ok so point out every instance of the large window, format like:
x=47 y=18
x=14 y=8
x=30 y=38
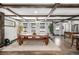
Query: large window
x=25 y=26
x=42 y=25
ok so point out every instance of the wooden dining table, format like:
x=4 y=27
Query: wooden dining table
x=22 y=38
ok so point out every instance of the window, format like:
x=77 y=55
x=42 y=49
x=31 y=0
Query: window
x=42 y=25
x=33 y=25
x=25 y=25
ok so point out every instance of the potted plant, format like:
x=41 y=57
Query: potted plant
x=51 y=28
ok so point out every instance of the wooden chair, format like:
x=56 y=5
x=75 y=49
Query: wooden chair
x=74 y=37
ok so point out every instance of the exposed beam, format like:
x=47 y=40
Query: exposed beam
x=62 y=20
x=73 y=17
x=70 y=18
x=48 y=19
x=41 y=15
x=15 y=19
x=62 y=5
x=52 y=10
x=27 y=5
x=14 y=13
x=39 y=5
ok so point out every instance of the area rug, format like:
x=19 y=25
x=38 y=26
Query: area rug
x=32 y=45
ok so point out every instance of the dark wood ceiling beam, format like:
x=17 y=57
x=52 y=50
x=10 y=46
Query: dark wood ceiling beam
x=41 y=15
x=15 y=19
x=61 y=19
x=70 y=18
x=52 y=10
x=73 y=17
x=48 y=19
x=68 y=5
x=39 y=5
x=14 y=13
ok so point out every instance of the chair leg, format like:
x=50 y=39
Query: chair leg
x=72 y=42
x=64 y=36
x=77 y=44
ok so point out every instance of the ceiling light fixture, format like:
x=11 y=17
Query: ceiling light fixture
x=35 y=12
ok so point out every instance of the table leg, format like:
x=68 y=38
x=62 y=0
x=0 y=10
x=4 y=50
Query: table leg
x=77 y=44
x=20 y=42
x=64 y=36
x=46 y=41
x=72 y=41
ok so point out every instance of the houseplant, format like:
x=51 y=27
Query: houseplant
x=51 y=28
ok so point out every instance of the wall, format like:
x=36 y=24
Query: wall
x=63 y=26
x=68 y=25
x=11 y=32
x=75 y=22
x=37 y=28
x=57 y=28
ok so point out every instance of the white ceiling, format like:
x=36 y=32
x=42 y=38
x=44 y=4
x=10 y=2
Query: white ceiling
x=6 y=11
x=31 y=11
x=42 y=11
x=66 y=11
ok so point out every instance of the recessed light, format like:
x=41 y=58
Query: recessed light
x=35 y=12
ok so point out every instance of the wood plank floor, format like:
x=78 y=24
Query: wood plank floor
x=65 y=46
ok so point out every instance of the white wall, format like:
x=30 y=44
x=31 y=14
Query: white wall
x=11 y=32
x=63 y=26
x=68 y=25
x=57 y=28
x=75 y=28
x=75 y=22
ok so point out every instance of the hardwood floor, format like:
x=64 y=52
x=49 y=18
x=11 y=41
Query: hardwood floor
x=65 y=46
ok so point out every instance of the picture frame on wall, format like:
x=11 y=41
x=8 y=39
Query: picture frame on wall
x=10 y=23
